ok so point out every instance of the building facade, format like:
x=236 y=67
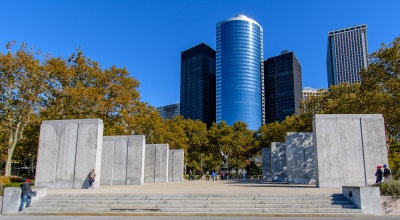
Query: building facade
x=308 y=92
x=347 y=54
x=240 y=72
x=169 y=111
x=198 y=84
x=283 y=86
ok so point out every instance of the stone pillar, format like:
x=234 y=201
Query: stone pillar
x=348 y=149
x=123 y=160
x=300 y=158
x=175 y=165
x=156 y=163
x=278 y=162
x=266 y=164
x=74 y=147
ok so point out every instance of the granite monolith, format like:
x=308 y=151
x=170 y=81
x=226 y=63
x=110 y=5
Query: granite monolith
x=175 y=165
x=348 y=148
x=278 y=162
x=300 y=158
x=156 y=163
x=74 y=147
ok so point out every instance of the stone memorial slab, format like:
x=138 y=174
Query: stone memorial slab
x=266 y=164
x=75 y=148
x=300 y=159
x=348 y=149
x=278 y=162
x=156 y=163
x=136 y=157
x=123 y=160
x=107 y=159
x=175 y=165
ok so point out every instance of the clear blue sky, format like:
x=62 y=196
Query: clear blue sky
x=147 y=37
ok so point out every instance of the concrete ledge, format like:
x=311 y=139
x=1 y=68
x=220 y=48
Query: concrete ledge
x=11 y=199
x=366 y=198
x=41 y=192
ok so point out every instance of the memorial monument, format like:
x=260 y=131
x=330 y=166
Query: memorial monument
x=349 y=147
x=68 y=150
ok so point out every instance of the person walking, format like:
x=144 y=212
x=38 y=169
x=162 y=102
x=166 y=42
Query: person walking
x=222 y=175
x=244 y=175
x=190 y=175
x=387 y=173
x=207 y=176
x=378 y=174
x=26 y=194
x=213 y=175
x=91 y=178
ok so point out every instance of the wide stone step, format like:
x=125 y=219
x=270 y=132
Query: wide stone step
x=188 y=205
x=206 y=210
x=186 y=195
x=191 y=198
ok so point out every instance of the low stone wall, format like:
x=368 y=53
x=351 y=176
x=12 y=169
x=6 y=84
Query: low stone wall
x=11 y=199
x=365 y=198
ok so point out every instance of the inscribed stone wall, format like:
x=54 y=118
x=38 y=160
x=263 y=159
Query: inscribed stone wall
x=175 y=165
x=278 y=162
x=74 y=147
x=123 y=160
x=156 y=163
x=266 y=164
x=348 y=149
x=300 y=158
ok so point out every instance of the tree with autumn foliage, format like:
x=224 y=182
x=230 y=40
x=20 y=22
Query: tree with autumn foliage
x=24 y=88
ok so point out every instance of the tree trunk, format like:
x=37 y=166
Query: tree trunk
x=10 y=152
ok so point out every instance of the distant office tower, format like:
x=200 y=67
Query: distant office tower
x=347 y=54
x=283 y=86
x=198 y=84
x=168 y=111
x=308 y=92
x=240 y=72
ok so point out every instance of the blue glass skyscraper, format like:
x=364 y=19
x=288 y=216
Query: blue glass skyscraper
x=240 y=72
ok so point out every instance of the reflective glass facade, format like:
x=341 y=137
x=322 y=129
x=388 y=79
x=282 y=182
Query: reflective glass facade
x=168 y=111
x=198 y=84
x=283 y=86
x=240 y=72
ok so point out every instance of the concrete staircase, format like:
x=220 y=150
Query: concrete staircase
x=196 y=204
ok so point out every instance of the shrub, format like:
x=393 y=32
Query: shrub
x=4 y=180
x=390 y=188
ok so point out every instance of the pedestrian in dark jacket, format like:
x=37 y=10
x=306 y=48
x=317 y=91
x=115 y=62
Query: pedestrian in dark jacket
x=387 y=173
x=378 y=174
x=26 y=194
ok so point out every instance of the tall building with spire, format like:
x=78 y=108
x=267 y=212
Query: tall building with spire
x=347 y=54
x=240 y=72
